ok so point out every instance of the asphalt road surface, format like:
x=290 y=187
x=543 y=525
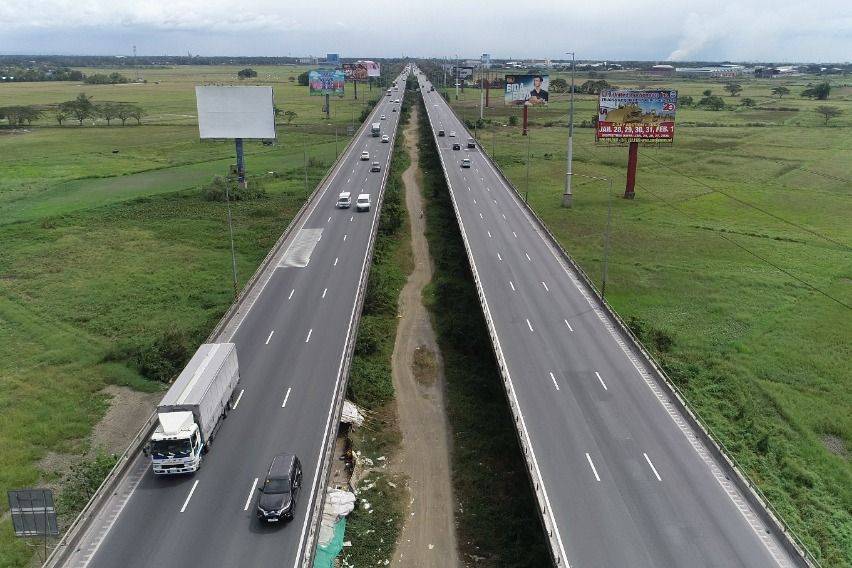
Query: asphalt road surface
x=290 y=346
x=628 y=483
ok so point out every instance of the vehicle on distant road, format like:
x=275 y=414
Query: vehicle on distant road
x=344 y=200
x=191 y=410
x=456 y=146
x=471 y=143
x=280 y=489
x=375 y=167
x=385 y=138
x=363 y=202
x=376 y=129
x=452 y=133
x=383 y=117
x=365 y=155
x=441 y=132
x=465 y=163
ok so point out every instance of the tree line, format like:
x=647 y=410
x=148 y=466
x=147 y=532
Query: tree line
x=79 y=109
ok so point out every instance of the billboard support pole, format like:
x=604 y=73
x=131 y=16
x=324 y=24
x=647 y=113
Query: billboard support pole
x=568 y=197
x=356 y=88
x=487 y=93
x=526 y=112
x=327 y=106
x=481 y=96
x=632 y=158
x=241 y=162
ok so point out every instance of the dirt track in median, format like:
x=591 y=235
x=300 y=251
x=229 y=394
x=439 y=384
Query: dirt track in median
x=428 y=537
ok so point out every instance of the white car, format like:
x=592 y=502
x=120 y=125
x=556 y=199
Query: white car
x=363 y=202
x=397 y=100
x=452 y=133
x=465 y=163
x=383 y=117
x=344 y=200
x=365 y=155
x=385 y=138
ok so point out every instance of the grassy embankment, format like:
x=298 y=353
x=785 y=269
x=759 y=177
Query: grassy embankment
x=497 y=518
x=373 y=532
x=734 y=264
x=108 y=256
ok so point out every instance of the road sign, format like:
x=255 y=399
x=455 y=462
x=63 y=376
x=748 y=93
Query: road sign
x=33 y=512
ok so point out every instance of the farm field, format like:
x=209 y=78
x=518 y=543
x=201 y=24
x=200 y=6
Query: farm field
x=113 y=265
x=733 y=264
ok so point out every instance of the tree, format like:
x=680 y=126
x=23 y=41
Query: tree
x=734 y=89
x=828 y=112
x=303 y=79
x=29 y=114
x=63 y=111
x=685 y=100
x=558 y=85
x=513 y=120
x=246 y=73
x=289 y=115
x=123 y=111
x=780 y=91
x=707 y=92
x=137 y=112
x=712 y=102
x=82 y=107
x=818 y=92
x=107 y=111
x=747 y=102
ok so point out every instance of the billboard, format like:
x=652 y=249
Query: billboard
x=361 y=70
x=235 y=112
x=527 y=89
x=626 y=115
x=373 y=68
x=332 y=58
x=326 y=82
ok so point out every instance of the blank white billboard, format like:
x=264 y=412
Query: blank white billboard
x=235 y=112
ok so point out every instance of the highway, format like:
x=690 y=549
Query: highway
x=625 y=480
x=291 y=345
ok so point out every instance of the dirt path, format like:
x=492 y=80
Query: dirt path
x=428 y=537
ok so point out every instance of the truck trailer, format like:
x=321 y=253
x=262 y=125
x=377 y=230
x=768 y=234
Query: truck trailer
x=190 y=413
x=376 y=128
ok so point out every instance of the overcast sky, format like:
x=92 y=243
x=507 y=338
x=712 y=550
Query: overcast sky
x=741 y=30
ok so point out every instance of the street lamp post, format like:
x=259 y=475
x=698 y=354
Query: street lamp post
x=567 y=197
x=527 y=192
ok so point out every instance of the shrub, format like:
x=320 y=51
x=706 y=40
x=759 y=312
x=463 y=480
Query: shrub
x=83 y=481
x=216 y=190
x=165 y=357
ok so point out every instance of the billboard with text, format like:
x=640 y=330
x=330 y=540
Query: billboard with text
x=628 y=115
x=527 y=89
x=361 y=70
x=326 y=82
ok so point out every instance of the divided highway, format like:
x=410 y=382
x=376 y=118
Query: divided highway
x=625 y=481
x=291 y=345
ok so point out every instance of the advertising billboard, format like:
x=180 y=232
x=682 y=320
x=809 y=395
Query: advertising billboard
x=626 y=115
x=235 y=112
x=354 y=72
x=373 y=68
x=332 y=58
x=326 y=82
x=527 y=89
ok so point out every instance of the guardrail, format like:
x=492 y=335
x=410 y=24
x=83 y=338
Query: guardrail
x=791 y=541
x=83 y=520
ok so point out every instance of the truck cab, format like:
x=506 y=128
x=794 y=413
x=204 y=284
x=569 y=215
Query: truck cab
x=176 y=445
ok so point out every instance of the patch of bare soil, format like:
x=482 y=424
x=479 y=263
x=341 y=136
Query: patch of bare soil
x=428 y=538
x=835 y=445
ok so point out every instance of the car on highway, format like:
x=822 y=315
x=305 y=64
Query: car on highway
x=385 y=138
x=280 y=489
x=383 y=117
x=452 y=133
x=471 y=143
x=375 y=167
x=465 y=163
x=441 y=132
x=365 y=155
x=456 y=146
x=397 y=101
x=344 y=200
x=393 y=109
x=363 y=202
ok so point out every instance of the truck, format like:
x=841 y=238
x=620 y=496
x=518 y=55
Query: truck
x=191 y=412
x=376 y=129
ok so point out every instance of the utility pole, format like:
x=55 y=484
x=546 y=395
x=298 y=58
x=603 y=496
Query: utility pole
x=457 y=76
x=567 y=197
x=527 y=193
x=481 y=95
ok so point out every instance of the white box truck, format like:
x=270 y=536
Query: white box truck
x=376 y=128
x=190 y=413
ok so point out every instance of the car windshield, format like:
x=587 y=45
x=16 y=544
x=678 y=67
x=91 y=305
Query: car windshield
x=277 y=485
x=170 y=448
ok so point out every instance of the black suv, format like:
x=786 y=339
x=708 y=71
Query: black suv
x=456 y=147
x=280 y=489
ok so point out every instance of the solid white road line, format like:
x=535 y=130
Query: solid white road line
x=251 y=492
x=335 y=260
x=512 y=285
x=569 y=325
x=546 y=289
x=188 y=497
x=552 y=378
x=270 y=337
x=603 y=384
x=529 y=325
x=240 y=396
x=308 y=338
x=291 y=293
x=286 y=397
x=592 y=465
x=654 y=469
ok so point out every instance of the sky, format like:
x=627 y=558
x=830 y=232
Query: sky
x=708 y=30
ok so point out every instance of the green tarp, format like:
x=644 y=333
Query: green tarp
x=326 y=554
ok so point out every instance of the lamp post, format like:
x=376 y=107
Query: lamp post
x=567 y=197
x=605 y=267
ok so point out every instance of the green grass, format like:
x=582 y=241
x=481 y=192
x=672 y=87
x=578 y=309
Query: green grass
x=105 y=254
x=737 y=247
x=500 y=524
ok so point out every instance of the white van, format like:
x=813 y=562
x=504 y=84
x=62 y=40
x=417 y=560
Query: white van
x=363 y=203
x=344 y=200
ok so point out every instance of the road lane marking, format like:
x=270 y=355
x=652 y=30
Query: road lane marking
x=489 y=235
x=308 y=338
x=468 y=188
x=569 y=325
x=654 y=469
x=291 y=293
x=352 y=218
x=529 y=325
x=499 y=258
x=188 y=497
x=329 y=220
x=251 y=492
x=240 y=396
x=512 y=285
x=474 y=201
x=488 y=188
x=503 y=214
x=516 y=234
x=348 y=180
x=552 y=378
x=286 y=397
x=603 y=384
x=592 y=465
x=335 y=260
x=528 y=257
x=480 y=216
x=344 y=238
x=323 y=292
x=546 y=289
x=270 y=337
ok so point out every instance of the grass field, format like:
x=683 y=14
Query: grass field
x=105 y=254
x=734 y=263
